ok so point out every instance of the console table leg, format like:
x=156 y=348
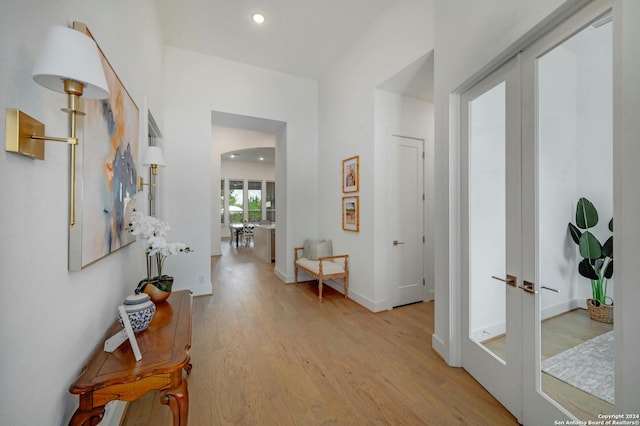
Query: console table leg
x=188 y=366
x=87 y=418
x=178 y=400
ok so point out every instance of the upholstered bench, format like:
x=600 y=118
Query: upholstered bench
x=317 y=259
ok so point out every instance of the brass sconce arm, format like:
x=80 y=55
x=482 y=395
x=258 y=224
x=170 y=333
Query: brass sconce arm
x=154 y=172
x=141 y=183
x=25 y=136
x=70 y=141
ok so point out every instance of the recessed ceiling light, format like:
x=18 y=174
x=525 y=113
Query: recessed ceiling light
x=233 y=155
x=258 y=18
x=261 y=158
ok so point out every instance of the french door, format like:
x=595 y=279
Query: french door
x=531 y=132
x=491 y=224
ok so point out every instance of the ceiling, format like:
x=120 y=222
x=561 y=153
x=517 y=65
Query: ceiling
x=299 y=37
x=251 y=155
x=414 y=81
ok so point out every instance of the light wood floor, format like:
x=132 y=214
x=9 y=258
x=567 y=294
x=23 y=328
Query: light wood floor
x=560 y=333
x=266 y=353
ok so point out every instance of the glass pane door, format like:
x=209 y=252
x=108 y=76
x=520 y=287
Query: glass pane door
x=487 y=228
x=575 y=142
x=567 y=179
x=490 y=153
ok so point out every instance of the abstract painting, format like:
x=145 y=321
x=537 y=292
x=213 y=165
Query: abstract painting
x=109 y=157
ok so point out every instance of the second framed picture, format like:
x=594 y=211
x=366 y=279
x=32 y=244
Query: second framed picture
x=351 y=213
x=351 y=174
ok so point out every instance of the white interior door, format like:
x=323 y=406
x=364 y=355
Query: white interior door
x=567 y=154
x=537 y=135
x=407 y=217
x=491 y=234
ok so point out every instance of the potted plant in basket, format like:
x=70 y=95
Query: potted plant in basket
x=153 y=233
x=597 y=259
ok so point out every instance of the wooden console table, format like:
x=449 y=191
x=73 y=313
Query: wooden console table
x=165 y=353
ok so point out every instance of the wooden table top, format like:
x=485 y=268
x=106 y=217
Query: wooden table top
x=164 y=346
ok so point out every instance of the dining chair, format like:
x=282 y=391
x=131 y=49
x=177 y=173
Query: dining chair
x=247 y=233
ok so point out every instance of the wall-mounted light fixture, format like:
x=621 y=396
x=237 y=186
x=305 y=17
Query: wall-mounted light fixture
x=153 y=158
x=69 y=63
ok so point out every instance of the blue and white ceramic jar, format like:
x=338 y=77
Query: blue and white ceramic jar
x=140 y=310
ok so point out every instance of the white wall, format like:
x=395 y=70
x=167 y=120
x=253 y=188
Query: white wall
x=487 y=213
x=557 y=178
x=239 y=170
x=396 y=39
x=195 y=86
x=232 y=139
x=576 y=157
x=52 y=319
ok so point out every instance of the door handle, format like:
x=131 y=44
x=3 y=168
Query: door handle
x=528 y=287
x=397 y=243
x=510 y=280
x=551 y=289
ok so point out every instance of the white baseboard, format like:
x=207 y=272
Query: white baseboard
x=202 y=290
x=561 y=308
x=282 y=276
x=489 y=331
x=437 y=344
x=431 y=295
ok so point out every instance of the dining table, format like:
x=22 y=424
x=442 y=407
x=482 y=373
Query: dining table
x=237 y=230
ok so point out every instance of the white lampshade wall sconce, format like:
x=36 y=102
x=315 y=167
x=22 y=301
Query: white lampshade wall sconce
x=153 y=158
x=69 y=63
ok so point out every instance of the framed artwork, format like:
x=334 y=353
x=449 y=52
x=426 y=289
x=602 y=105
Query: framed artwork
x=351 y=213
x=351 y=174
x=106 y=171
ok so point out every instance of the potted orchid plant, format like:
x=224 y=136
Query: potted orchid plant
x=153 y=232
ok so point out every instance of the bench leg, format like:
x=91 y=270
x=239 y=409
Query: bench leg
x=320 y=288
x=346 y=286
x=295 y=272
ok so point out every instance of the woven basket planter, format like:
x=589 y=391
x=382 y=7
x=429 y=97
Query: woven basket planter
x=602 y=313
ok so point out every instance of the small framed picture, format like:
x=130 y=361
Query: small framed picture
x=351 y=174
x=351 y=213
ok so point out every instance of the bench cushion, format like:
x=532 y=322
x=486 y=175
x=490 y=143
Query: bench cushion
x=328 y=267
x=313 y=249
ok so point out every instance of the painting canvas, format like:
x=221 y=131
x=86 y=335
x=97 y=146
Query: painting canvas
x=351 y=174
x=351 y=213
x=109 y=156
